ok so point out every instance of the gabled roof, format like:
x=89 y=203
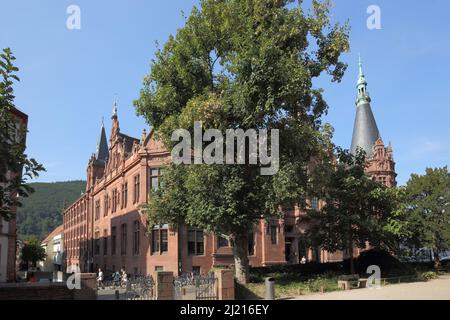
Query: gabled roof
x=129 y=141
x=53 y=234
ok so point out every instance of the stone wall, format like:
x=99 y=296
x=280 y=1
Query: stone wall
x=36 y=291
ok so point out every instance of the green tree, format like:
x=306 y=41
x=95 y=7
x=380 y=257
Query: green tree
x=357 y=210
x=249 y=65
x=33 y=252
x=15 y=167
x=427 y=211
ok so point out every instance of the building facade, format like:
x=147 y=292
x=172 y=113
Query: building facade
x=54 y=250
x=105 y=227
x=8 y=228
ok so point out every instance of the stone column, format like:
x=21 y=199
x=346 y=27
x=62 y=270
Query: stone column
x=88 y=289
x=163 y=285
x=224 y=284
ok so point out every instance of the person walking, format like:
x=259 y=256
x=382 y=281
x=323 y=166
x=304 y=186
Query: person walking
x=124 y=277
x=100 y=279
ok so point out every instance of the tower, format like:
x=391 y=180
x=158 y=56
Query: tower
x=97 y=162
x=380 y=164
x=365 y=130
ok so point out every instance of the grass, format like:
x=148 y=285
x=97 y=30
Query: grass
x=288 y=285
x=292 y=281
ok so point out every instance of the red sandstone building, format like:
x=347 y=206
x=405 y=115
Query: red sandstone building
x=105 y=228
x=8 y=235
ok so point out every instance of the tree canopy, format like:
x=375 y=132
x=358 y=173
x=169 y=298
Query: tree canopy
x=33 y=252
x=357 y=210
x=427 y=211
x=247 y=65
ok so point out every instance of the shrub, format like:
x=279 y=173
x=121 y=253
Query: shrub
x=429 y=275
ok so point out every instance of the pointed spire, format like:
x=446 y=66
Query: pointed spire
x=114 y=113
x=365 y=130
x=363 y=95
x=361 y=74
x=102 y=145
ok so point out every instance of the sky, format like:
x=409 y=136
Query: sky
x=69 y=78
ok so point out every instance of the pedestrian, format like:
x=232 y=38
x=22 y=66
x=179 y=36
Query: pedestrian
x=124 y=277
x=100 y=279
x=303 y=261
x=116 y=279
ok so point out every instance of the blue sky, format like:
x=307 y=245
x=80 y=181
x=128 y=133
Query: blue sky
x=69 y=78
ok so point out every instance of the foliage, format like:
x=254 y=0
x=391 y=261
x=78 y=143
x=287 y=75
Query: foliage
x=41 y=213
x=15 y=166
x=389 y=265
x=427 y=210
x=357 y=210
x=291 y=285
x=32 y=251
x=429 y=275
x=248 y=65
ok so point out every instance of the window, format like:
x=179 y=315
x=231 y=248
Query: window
x=195 y=242
x=159 y=268
x=155 y=173
x=222 y=242
x=314 y=203
x=97 y=243
x=124 y=195
x=288 y=228
x=105 y=243
x=273 y=234
x=113 y=240
x=97 y=209
x=136 y=234
x=251 y=244
x=164 y=240
x=155 y=241
x=105 y=206
x=196 y=270
x=137 y=185
x=115 y=200
x=160 y=241
x=123 y=239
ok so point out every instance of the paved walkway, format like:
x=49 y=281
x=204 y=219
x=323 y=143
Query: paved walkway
x=438 y=289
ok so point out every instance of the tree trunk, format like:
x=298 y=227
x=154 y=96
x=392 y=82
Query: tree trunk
x=352 y=261
x=241 y=264
x=437 y=262
x=350 y=252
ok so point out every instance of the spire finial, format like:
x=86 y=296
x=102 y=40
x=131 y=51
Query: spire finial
x=114 y=114
x=361 y=74
x=103 y=121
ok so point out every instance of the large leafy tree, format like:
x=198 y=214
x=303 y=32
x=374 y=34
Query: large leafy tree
x=357 y=211
x=15 y=167
x=250 y=65
x=427 y=211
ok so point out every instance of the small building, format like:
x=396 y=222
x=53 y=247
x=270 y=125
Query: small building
x=54 y=249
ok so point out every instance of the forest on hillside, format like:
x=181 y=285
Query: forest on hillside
x=42 y=211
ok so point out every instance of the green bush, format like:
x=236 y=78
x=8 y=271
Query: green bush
x=429 y=275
